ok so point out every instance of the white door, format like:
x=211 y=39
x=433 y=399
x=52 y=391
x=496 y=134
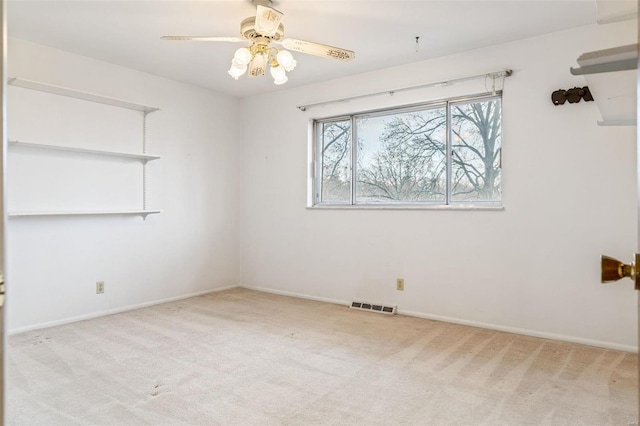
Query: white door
x=612 y=269
x=3 y=213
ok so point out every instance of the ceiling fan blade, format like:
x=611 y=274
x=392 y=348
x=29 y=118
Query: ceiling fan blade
x=203 y=38
x=267 y=21
x=318 y=49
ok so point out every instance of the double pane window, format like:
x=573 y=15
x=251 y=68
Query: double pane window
x=440 y=153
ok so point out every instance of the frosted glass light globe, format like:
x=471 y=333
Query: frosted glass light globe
x=285 y=58
x=242 y=57
x=236 y=71
x=279 y=75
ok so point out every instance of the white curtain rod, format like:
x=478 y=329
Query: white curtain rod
x=492 y=75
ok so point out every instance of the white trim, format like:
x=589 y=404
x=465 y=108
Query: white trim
x=515 y=330
x=114 y=311
x=409 y=206
x=497 y=327
x=298 y=295
x=524 y=331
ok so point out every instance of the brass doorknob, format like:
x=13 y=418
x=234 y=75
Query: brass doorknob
x=612 y=270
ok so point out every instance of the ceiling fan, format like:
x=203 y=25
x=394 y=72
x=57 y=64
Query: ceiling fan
x=262 y=31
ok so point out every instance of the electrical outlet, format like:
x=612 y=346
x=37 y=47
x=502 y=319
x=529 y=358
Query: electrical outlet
x=400 y=284
x=100 y=287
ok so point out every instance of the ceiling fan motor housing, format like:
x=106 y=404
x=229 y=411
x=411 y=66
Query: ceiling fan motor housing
x=248 y=30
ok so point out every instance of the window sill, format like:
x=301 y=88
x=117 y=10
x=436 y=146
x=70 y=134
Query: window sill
x=457 y=206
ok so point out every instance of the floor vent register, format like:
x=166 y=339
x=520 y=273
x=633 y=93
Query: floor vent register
x=383 y=309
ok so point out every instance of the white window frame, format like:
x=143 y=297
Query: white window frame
x=315 y=173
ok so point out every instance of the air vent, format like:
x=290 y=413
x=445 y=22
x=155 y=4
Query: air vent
x=383 y=309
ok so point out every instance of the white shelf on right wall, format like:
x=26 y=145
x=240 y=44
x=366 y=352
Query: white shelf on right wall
x=611 y=74
x=612 y=79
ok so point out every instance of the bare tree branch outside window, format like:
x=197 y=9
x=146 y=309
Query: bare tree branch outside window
x=405 y=160
x=336 y=161
x=475 y=151
x=402 y=155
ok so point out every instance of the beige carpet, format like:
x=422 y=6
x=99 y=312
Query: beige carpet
x=242 y=357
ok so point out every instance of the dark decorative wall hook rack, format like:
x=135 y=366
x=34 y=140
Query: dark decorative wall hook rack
x=559 y=97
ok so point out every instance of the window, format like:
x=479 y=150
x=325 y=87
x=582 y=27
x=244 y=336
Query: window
x=445 y=153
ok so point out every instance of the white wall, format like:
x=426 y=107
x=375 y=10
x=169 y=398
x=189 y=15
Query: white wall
x=192 y=247
x=569 y=194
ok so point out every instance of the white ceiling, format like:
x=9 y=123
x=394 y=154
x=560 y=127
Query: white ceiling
x=382 y=33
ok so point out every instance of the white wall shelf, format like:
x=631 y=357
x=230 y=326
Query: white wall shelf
x=621 y=58
x=141 y=157
x=86 y=96
x=143 y=213
x=611 y=77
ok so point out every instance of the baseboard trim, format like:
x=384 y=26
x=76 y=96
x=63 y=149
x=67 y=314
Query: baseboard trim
x=453 y=320
x=298 y=295
x=48 y=324
x=489 y=326
x=524 y=331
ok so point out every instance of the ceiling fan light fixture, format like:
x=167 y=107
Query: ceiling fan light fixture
x=258 y=64
x=279 y=75
x=261 y=31
x=285 y=59
x=242 y=57
x=267 y=20
x=236 y=71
